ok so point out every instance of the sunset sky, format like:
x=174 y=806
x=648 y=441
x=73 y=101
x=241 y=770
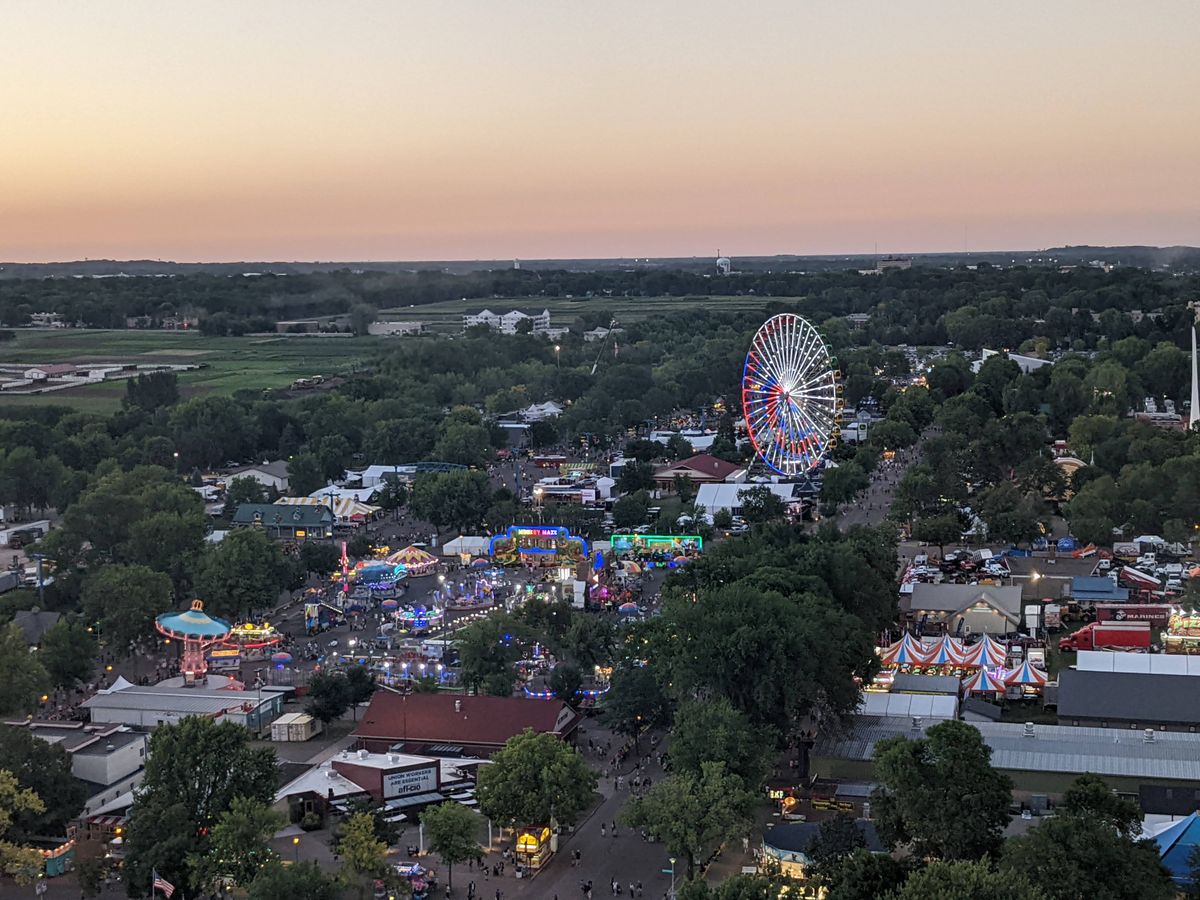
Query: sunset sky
x=474 y=129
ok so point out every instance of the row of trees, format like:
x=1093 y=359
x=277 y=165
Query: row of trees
x=923 y=305
x=991 y=452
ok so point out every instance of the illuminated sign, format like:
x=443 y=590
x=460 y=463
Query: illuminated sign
x=412 y=781
x=537 y=532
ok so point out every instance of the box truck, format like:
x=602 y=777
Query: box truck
x=1109 y=636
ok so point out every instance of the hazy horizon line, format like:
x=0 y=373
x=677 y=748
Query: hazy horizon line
x=536 y=259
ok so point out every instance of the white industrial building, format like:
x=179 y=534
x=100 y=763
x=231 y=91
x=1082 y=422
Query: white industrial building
x=109 y=759
x=506 y=323
x=268 y=474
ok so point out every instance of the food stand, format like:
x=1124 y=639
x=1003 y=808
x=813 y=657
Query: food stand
x=534 y=848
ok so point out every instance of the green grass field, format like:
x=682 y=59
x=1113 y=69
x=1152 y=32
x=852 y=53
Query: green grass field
x=229 y=364
x=237 y=363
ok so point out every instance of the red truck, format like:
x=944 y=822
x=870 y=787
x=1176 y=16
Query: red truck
x=1109 y=636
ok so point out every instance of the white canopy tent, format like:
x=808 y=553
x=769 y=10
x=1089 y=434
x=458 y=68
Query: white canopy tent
x=466 y=546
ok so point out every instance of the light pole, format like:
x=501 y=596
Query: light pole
x=296 y=849
x=557 y=358
x=672 y=878
x=537 y=499
x=445 y=617
x=332 y=514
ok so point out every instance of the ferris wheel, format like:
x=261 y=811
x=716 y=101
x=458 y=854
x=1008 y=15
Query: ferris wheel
x=790 y=395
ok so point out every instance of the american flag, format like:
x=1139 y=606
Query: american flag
x=161 y=884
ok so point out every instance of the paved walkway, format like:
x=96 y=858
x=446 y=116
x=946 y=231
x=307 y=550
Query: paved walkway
x=603 y=857
x=872 y=506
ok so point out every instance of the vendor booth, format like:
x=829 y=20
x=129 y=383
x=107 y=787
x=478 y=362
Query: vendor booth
x=533 y=848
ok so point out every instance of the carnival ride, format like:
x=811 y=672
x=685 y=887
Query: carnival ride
x=419 y=619
x=415 y=560
x=196 y=631
x=790 y=395
x=536 y=545
x=379 y=576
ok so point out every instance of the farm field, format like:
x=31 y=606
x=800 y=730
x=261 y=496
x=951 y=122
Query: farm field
x=229 y=364
x=260 y=362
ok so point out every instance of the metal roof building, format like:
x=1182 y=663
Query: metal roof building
x=1038 y=757
x=148 y=706
x=1128 y=699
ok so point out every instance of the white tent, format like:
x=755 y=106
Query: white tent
x=466 y=545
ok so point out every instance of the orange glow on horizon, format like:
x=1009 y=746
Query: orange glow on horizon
x=292 y=129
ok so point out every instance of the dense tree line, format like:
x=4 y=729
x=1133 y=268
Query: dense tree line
x=971 y=307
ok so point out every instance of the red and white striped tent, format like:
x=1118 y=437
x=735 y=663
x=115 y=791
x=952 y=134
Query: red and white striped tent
x=1027 y=674
x=986 y=654
x=908 y=651
x=984 y=682
x=946 y=652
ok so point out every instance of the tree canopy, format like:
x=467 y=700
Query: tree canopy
x=195 y=770
x=691 y=811
x=44 y=769
x=533 y=778
x=939 y=793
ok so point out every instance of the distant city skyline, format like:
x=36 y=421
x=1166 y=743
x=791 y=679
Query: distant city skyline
x=296 y=130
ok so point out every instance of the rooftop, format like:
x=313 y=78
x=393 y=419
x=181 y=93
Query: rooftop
x=458 y=719
x=76 y=737
x=1046 y=567
x=325 y=778
x=703 y=464
x=109 y=743
x=954 y=597
x=1173 y=755
x=796 y=837
x=171 y=696
x=276 y=469
x=926 y=684
x=34 y=623
x=1129 y=696
x=278 y=515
